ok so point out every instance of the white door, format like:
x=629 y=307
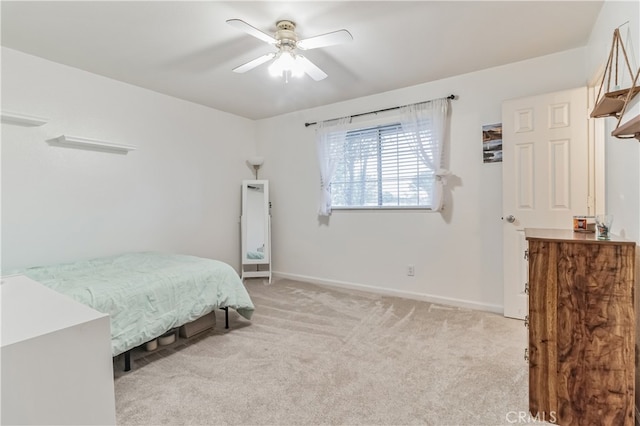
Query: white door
x=545 y=174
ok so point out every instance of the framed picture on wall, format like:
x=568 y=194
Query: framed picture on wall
x=492 y=143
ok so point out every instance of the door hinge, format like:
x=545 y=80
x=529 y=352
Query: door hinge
x=526 y=321
x=526 y=254
x=526 y=354
x=526 y=288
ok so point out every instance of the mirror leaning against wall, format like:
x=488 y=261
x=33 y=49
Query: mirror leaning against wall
x=256 y=229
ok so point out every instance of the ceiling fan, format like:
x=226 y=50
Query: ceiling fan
x=286 y=62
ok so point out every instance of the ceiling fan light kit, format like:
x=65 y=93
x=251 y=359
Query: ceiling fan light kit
x=286 y=62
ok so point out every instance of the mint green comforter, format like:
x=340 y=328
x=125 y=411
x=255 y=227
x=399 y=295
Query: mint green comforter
x=147 y=294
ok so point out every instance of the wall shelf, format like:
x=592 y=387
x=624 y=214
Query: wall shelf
x=630 y=129
x=90 y=144
x=610 y=101
x=22 y=119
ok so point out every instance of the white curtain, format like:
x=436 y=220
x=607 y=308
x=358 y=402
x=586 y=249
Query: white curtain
x=330 y=137
x=427 y=123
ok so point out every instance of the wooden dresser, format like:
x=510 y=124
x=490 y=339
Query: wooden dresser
x=581 y=328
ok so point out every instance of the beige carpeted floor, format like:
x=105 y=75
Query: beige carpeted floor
x=316 y=355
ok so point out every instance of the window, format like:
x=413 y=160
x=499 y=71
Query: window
x=381 y=167
x=396 y=165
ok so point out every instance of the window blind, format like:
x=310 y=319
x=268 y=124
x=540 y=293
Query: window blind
x=381 y=167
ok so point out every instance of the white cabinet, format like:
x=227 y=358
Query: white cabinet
x=56 y=358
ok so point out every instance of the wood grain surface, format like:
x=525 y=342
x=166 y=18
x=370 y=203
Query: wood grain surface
x=543 y=360
x=582 y=332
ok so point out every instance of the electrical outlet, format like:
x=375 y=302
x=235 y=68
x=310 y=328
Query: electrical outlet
x=411 y=270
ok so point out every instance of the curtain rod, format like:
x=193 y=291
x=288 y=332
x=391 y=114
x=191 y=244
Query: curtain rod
x=452 y=97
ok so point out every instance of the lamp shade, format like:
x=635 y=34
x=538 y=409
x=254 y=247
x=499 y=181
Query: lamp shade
x=256 y=160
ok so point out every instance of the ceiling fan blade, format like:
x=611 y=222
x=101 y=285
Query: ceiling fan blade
x=311 y=69
x=251 y=30
x=324 y=40
x=254 y=63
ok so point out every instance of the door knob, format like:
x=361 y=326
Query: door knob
x=511 y=218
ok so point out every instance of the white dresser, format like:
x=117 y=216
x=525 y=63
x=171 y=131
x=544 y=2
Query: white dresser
x=55 y=356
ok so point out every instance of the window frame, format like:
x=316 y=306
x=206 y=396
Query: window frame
x=378 y=124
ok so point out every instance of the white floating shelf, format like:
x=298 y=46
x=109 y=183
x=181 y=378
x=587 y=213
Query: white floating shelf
x=91 y=144
x=22 y=119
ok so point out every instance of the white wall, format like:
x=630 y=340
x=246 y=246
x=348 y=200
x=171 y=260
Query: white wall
x=174 y=193
x=457 y=254
x=622 y=156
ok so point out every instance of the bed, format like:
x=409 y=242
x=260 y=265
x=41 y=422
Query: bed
x=147 y=294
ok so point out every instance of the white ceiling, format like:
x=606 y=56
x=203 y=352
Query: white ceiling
x=186 y=50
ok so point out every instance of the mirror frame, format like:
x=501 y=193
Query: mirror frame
x=245 y=221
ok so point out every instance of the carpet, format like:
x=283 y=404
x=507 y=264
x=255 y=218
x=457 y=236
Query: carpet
x=316 y=355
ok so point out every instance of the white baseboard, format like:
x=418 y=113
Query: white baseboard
x=459 y=303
